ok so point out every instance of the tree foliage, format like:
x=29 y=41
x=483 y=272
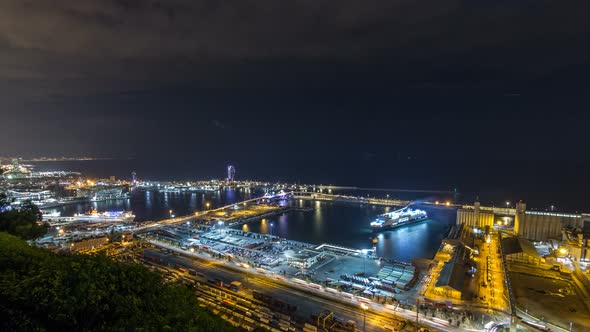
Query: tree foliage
x=24 y=222
x=43 y=291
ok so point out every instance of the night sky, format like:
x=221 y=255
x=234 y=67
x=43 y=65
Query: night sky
x=483 y=94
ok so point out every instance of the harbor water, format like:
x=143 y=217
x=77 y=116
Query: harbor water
x=318 y=222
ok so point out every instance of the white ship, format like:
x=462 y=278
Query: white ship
x=109 y=216
x=402 y=217
x=50 y=215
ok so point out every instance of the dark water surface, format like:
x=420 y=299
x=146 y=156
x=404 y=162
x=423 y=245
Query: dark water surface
x=335 y=223
x=540 y=184
x=348 y=225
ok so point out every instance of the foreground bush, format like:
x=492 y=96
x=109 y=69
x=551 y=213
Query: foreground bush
x=40 y=290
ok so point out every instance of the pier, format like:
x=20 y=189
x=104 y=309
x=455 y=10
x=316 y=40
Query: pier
x=349 y=199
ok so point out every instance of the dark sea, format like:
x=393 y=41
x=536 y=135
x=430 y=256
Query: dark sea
x=540 y=184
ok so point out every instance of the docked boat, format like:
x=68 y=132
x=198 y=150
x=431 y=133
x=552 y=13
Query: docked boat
x=50 y=215
x=398 y=218
x=109 y=216
x=207 y=188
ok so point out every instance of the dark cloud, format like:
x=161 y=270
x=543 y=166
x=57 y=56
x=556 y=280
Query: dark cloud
x=218 y=124
x=211 y=28
x=244 y=65
x=537 y=34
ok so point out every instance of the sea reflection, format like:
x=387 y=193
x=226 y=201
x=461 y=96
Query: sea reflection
x=313 y=221
x=348 y=225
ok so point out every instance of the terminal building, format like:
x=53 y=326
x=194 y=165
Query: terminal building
x=305 y=258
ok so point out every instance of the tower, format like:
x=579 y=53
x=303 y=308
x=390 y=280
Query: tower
x=133 y=177
x=231 y=172
x=519 y=217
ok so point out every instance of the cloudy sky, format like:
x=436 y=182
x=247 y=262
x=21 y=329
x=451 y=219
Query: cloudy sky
x=369 y=79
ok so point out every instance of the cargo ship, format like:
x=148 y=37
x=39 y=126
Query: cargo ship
x=399 y=218
x=109 y=216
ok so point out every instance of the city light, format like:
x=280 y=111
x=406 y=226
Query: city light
x=153 y=106
x=215 y=238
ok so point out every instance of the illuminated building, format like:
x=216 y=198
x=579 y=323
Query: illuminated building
x=231 y=172
x=16 y=171
x=531 y=225
x=34 y=196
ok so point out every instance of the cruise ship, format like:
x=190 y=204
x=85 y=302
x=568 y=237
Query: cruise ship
x=109 y=216
x=395 y=219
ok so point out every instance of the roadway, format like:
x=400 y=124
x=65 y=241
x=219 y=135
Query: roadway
x=329 y=187
x=150 y=225
x=310 y=301
x=307 y=305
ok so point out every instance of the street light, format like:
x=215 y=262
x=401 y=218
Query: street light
x=364 y=307
x=271 y=225
x=207 y=205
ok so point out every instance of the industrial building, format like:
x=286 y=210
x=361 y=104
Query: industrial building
x=577 y=242
x=517 y=249
x=541 y=226
x=531 y=225
x=475 y=216
x=88 y=244
x=451 y=279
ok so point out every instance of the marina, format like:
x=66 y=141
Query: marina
x=297 y=219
